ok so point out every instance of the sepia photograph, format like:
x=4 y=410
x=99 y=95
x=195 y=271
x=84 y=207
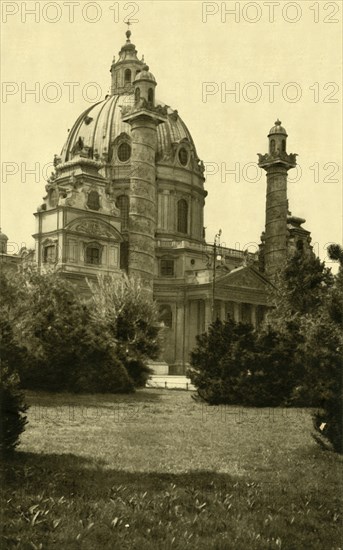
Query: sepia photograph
x=171 y=273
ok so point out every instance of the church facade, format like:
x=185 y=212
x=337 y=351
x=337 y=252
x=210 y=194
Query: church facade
x=127 y=194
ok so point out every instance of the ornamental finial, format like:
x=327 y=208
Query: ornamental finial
x=128 y=32
x=277 y=122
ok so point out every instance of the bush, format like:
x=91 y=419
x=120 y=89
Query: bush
x=233 y=364
x=64 y=347
x=13 y=407
x=322 y=387
x=128 y=316
x=220 y=362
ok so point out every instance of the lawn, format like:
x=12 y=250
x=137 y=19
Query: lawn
x=158 y=470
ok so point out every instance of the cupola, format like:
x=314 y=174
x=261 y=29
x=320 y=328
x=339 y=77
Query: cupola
x=125 y=69
x=277 y=138
x=144 y=87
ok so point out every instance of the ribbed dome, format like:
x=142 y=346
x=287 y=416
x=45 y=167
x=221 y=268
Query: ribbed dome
x=100 y=124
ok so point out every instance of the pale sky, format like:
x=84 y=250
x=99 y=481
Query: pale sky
x=186 y=44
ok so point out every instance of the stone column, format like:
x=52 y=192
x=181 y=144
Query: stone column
x=208 y=313
x=222 y=310
x=254 y=315
x=142 y=213
x=237 y=311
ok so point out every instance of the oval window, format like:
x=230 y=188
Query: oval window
x=183 y=156
x=124 y=152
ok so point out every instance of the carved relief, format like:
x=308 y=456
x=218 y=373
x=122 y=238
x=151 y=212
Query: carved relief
x=93 y=228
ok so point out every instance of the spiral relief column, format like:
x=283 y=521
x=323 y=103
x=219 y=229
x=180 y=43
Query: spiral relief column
x=143 y=119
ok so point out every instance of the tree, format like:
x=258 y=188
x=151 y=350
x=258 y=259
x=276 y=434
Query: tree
x=126 y=313
x=12 y=408
x=66 y=349
x=221 y=360
x=12 y=402
x=300 y=289
x=322 y=355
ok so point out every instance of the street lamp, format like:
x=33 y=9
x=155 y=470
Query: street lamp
x=216 y=257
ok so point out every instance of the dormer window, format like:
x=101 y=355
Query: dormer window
x=127 y=76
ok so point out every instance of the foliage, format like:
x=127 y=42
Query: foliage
x=324 y=365
x=12 y=356
x=66 y=350
x=12 y=408
x=220 y=362
x=274 y=370
x=233 y=364
x=308 y=309
x=299 y=289
x=126 y=313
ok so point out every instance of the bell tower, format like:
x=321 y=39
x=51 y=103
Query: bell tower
x=276 y=163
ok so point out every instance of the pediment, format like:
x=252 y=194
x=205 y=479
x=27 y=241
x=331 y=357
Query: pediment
x=94 y=228
x=244 y=277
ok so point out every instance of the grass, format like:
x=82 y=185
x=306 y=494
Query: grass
x=157 y=470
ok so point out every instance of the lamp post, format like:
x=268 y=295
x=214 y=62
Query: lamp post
x=215 y=258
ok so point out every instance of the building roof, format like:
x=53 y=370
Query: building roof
x=277 y=129
x=99 y=125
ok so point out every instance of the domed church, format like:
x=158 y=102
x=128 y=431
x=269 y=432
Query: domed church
x=128 y=195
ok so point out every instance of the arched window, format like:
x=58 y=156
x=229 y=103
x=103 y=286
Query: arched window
x=166 y=315
x=137 y=95
x=124 y=152
x=183 y=156
x=123 y=205
x=272 y=146
x=93 y=201
x=283 y=145
x=127 y=76
x=182 y=216
x=151 y=96
x=93 y=254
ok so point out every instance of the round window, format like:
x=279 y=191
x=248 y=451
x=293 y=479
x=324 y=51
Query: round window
x=183 y=156
x=124 y=152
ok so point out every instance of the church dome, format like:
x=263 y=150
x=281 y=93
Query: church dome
x=98 y=127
